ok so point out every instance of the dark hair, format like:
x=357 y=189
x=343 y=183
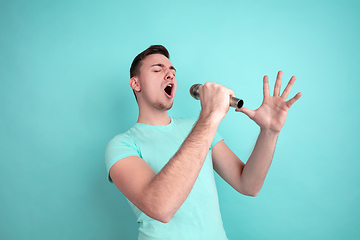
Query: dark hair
x=153 y=49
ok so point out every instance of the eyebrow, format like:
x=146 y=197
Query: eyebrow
x=162 y=65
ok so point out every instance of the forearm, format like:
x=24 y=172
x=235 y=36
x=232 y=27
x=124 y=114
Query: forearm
x=172 y=185
x=258 y=164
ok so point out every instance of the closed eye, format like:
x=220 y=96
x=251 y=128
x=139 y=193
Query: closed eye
x=158 y=68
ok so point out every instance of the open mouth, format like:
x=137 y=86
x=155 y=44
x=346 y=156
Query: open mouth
x=168 y=89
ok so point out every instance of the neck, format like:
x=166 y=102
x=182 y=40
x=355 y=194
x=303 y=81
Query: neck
x=155 y=118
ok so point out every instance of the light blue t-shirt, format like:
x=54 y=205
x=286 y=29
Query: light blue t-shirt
x=199 y=216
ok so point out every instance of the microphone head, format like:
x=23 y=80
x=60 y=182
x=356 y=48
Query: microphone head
x=194 y=91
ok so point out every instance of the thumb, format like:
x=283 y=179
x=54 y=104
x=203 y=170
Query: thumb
x=246 y=111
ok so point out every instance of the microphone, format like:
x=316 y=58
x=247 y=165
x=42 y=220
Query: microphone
x=234 y=102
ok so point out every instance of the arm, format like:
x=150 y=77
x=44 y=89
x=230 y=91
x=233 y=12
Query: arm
x=246 y=178
x=160 y=195
x=270 y=116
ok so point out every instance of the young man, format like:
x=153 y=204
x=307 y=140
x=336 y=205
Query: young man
x=164 y=166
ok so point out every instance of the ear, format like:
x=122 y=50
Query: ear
x=134 y=84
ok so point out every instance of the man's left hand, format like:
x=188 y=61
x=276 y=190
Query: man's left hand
x=271 y=115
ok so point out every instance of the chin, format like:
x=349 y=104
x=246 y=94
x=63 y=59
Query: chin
x=164 y=107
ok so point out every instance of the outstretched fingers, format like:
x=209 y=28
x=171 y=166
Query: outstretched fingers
x=277 y=86
x=293 y=100
x=287 y=90
x=266 y=86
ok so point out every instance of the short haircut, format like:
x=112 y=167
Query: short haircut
x=137 y=62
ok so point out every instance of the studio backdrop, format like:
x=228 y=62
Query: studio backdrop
x=64 y=94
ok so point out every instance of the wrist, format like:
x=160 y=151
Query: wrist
x=210 y=117
x=269 y=132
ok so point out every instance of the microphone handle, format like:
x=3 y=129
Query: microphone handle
x=234 y=102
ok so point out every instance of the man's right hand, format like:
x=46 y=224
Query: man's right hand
x=215 y=100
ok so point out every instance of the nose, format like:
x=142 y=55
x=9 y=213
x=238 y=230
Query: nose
x=169 y=75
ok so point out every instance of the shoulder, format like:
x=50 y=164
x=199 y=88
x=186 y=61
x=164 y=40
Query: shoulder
x=120 y=147
x=121 y=139
x=127 y=138
x=121 y=144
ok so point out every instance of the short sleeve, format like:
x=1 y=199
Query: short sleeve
x=217 y=139
x=118 y=148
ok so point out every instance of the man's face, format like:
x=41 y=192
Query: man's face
x=157 y=81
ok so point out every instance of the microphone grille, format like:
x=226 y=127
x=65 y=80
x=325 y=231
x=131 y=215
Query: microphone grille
x=194 y=91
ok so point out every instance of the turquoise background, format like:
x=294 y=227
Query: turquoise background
x=64 y=93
